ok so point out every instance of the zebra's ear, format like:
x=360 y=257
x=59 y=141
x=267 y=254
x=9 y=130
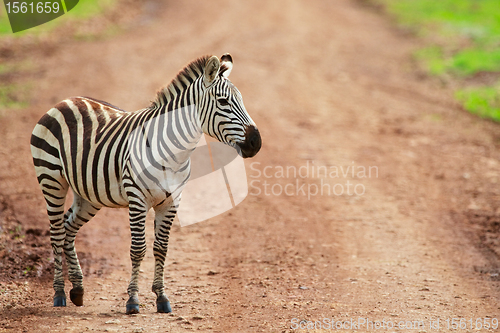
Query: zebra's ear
x=226 y=65
x=211 y=69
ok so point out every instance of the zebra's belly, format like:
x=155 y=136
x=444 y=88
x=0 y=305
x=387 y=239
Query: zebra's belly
x=103 y=194
x=157 y=185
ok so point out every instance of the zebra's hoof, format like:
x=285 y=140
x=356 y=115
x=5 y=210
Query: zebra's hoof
x=132 y=308
x=163 y=305
x=76 y=296
x=132 y=305
x=60 y=299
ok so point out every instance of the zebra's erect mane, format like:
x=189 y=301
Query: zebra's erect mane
x=186 y=76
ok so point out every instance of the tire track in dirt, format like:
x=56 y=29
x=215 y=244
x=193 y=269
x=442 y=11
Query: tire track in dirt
x=326 y=82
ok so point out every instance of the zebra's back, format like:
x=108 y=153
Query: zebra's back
x=81 y=141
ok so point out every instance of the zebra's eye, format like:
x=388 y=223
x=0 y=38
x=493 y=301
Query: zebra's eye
x=223 y=101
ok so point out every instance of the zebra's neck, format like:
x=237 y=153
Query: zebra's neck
x=171 y=127
x=187 y=78
x=161 y=145
x=170 y=136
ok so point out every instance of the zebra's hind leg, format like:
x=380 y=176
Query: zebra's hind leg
x=80 y=213
x=137 y=215
x=54 y=190
x=164 y=217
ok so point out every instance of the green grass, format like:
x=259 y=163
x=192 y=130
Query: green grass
x=432 y=59
x=470 y=61
x=483 y=101
x=15 y=93
x=14 y=96
x=4 y=22
x=475 y=19
x=464 y=63
x=84 y=9
x=463 y=38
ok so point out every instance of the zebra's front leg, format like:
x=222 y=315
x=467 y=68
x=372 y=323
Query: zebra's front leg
x=137 y=214
x=80 y=213
x=164 y=217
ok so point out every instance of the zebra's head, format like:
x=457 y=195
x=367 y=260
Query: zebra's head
x=222 y=113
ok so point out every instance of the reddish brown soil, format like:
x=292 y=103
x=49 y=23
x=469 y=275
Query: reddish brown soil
x=329 y=84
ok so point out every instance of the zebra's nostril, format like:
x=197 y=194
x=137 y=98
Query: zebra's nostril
x=253 y=142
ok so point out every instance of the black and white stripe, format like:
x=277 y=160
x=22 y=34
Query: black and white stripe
x=113 y=158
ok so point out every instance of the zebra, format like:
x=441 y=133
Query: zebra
x=113 y=158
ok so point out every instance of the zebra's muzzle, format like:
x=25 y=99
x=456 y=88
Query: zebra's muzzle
x=251 y=146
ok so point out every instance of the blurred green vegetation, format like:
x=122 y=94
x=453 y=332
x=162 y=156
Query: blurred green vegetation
x=14 y=95
x=84 y=9
x=483 y=101
x=15 y=86
x=464 y=41
x=4 y=22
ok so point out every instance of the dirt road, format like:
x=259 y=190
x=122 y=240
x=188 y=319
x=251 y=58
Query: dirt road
x=410 y=236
